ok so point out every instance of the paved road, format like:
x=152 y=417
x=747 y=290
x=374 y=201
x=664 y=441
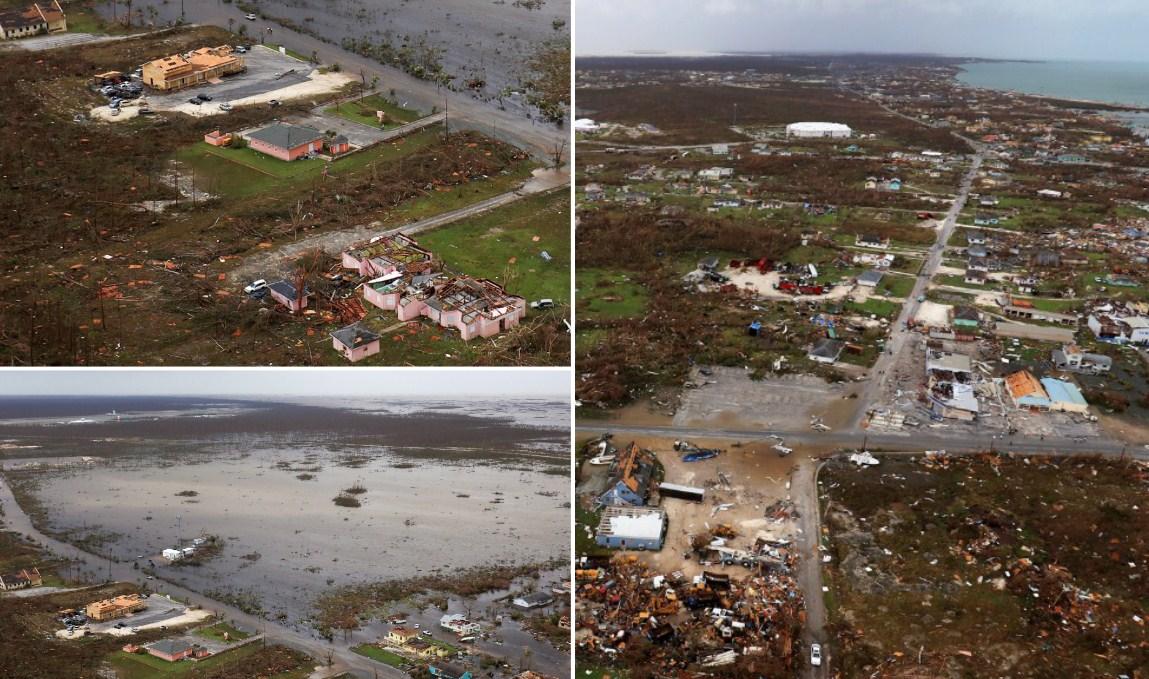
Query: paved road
x=344 y=660
x=804 y=491
x=270 y=263
x=899 y=334
x=892 y=443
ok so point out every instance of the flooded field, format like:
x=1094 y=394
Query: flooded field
x=476 y=42
x=442 y=489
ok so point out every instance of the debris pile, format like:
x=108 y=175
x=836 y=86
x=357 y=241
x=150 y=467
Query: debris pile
x=710 y=625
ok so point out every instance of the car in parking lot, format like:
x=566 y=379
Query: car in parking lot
x=816 y=655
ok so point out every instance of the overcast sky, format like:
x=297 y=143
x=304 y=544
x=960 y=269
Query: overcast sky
x=301 y=382
x=1028 y=29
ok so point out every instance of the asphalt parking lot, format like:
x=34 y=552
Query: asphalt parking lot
x=267 y=71
x=159 y=609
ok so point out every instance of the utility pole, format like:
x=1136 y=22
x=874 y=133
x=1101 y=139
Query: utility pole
x=446 y=125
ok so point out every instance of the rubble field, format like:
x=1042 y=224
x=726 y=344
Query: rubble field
x=988 y=566
x=721 y=598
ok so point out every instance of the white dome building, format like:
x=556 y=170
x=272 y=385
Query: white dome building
x=819 y=130
x=586 y=126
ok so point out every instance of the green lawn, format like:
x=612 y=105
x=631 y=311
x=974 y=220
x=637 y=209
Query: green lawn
x=382 y=655
x=363 y=111
x=143 y=666
x=217 y=631
x=896 y=286
x=504 y=245
x=877 y=307
x=606 y=294
x=241 y=173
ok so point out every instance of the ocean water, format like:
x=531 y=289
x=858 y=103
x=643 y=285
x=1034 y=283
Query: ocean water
x=1112 y=82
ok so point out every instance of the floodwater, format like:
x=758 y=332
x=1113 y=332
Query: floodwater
x=446 y=488
x=488 y=40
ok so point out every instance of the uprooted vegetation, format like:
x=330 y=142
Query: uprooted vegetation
x=702 y=114
x=93 y=277
x=988 y=566
x=655 y=345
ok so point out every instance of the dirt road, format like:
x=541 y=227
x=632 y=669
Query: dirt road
x=268 y=264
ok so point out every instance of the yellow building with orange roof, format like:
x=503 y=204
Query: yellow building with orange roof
x=178 y=71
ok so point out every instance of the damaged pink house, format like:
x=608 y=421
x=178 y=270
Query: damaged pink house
x=388 y=255
x=474 y=307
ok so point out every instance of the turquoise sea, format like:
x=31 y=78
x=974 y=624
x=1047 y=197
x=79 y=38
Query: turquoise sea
x=1111 y=82
x=1114 y=82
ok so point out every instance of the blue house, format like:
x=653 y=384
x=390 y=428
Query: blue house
x=630 y=479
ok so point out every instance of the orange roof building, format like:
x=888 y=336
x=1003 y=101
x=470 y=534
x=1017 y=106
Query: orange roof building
x=116 y=607
x=35 y=19
x=178 y=71
x=1022 y=384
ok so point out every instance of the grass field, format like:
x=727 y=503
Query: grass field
x=876 y=307
x=241 y=173
x=363 y=111
x=896 y=286
x=504 y=245
x=382 y=655
x=218 y=630
x=143 y=666
x=606 y=294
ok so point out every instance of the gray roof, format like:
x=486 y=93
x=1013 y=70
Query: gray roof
x=286 y=136
x=872 y=277
x=286 y=289
x=354 y=335
x=169 y=646
x=827 y=348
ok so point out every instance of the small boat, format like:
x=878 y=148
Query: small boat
x=466 y=640
x=699 y=455
x=602 y=459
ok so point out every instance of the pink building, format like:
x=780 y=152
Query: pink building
x=285 y=293
x=337 y=145
x=387 y=255
x=286 y=142
x=474 y=307
x=355 y=342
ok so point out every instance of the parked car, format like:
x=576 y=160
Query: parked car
x=543 y=304
x=240 y=49
x=816 y=655
x=203 y=97
x=273 y=102
x=195 y=101
x=426 y=632
x=250 y=17
x=225 y=106
x=256 y=286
